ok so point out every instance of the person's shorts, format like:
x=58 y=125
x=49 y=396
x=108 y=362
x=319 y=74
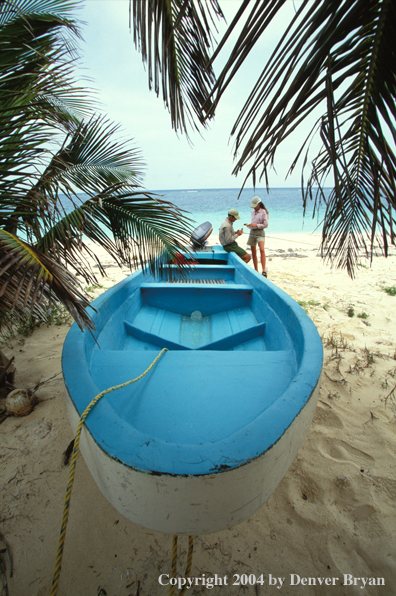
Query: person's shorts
x=234 y=247
x=255 y=236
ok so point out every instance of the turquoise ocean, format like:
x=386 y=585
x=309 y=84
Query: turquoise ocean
x=284 y=205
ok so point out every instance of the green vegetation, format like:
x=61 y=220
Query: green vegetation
x=390 y=290
x=24 y=327
x=94 y=287
x=58 y=316
x=351 y=313
x=305 y=303
x=53 y=147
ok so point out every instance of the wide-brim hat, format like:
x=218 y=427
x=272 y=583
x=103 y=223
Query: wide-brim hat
x=255 y=202
x=234 y=213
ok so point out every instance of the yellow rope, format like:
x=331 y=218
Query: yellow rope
x=55 y=579
x=189 y=561
x=172 y=586
x=173 y=565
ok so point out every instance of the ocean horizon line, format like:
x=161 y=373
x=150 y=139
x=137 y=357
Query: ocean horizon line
x=196 y=189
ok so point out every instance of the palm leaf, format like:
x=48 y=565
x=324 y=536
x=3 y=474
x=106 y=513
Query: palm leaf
x=174 y=37
x=133 y=227
x=30 y=280
x=50 y=153
x=346 y=49
x=92 y=160
x=35 y=87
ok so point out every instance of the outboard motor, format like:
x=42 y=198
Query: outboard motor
x=199 y=237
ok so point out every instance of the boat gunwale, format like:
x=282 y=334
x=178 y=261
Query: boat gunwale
x=210 y=473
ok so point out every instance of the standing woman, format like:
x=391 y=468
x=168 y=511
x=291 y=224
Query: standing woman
x=259 y=221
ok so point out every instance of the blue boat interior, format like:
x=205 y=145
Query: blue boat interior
x=235 y=346
x=210 y=310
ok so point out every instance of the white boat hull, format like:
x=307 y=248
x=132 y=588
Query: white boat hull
x=189 y=504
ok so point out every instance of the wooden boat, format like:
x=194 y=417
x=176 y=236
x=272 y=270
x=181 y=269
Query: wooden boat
x=201 y=442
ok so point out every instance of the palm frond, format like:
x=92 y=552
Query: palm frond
x=174 y=37
x=133 y=227
x=36 y=91
x=49 y=154
x=360 y=212
x=30 y=280
x=353 y=43
x=93 y=160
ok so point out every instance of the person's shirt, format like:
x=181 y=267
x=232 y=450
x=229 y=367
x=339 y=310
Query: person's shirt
x=226 y=233
x=260 y=218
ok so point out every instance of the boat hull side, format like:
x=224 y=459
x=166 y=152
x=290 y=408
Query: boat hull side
x=177 y=504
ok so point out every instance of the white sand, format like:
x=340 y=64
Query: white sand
x=332 y=514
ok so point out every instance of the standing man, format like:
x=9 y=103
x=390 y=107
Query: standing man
x=228 y=237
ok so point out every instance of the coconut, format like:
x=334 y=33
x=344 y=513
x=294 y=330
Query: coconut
x=20 y=402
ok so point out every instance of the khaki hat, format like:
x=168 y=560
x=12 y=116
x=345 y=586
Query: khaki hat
x=255 y=202
x=234 y=213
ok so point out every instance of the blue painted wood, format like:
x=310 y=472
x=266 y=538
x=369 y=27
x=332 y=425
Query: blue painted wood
x=225 y=343
x=226 y=272
x=236 y=375
x=153 y=338
x=172 y=427
x=238 y=337
x=186 y=298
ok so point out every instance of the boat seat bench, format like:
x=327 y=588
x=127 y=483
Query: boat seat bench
x=225 y=343
x=185 y=298
x=207 y=272
x=219 y=331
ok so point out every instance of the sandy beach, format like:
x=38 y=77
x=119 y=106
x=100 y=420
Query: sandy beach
x=328 y=529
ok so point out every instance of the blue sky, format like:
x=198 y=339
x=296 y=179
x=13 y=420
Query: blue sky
x=117 y=73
